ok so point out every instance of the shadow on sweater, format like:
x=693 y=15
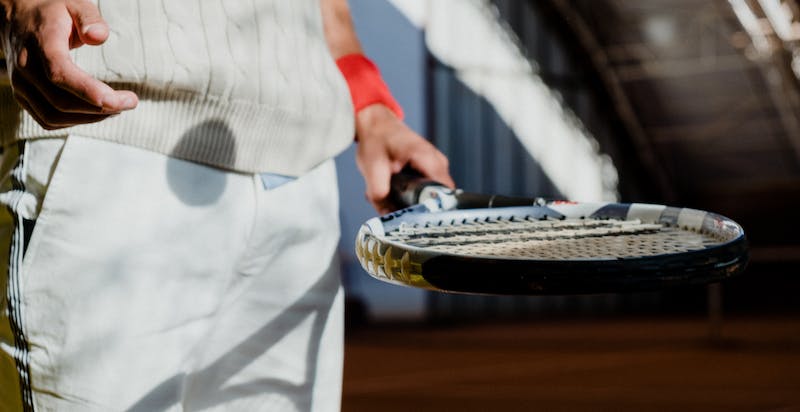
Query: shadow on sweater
x=199 y=186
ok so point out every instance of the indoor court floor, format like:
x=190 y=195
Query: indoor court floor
x=640 y=364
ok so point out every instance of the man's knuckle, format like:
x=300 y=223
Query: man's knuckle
x=55 y=74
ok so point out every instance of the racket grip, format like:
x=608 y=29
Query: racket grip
x=480 y=201
x=407 y=186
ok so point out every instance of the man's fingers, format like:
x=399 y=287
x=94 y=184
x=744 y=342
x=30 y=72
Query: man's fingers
x=69 y=88
x=386 y=146
x=90 y=26
x=375 y=167
x=75 y=39
x=46 y=81
x=59 y=69
x=378 y=181
x=64 y=74
x=27 y=83
x=433 y=164
x=49 y=119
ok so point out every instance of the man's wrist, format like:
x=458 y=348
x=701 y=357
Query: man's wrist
x=366 y=84
x=374 y=120
x=374 y=114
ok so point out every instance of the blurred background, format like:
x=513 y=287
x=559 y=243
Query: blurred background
x=687 y=102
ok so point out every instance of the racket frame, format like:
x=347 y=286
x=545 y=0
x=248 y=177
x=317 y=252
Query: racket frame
x=403 y=264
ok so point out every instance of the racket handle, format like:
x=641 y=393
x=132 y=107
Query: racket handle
x=410 y=188
x=481 y=201
x=407 y=186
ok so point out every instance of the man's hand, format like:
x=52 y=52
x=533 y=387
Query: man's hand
x=37 y=37
x=385 y=146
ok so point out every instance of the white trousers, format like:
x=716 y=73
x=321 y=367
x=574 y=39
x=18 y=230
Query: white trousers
x=149 y=283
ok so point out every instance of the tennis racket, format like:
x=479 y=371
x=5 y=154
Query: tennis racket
x=451 y=241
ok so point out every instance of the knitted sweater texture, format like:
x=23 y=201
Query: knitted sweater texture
x=245 y=85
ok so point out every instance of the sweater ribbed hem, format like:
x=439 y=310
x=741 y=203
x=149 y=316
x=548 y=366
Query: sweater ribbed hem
x=234 y=135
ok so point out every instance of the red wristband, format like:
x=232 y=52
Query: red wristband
x=366 y=84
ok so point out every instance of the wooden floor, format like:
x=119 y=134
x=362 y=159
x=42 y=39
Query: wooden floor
x=589 y=365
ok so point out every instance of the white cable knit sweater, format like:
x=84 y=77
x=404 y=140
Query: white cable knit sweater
x=246 y=85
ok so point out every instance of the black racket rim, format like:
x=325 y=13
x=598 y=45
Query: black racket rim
x=465 y=274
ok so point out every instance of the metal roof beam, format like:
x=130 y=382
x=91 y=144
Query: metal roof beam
x=659 y=69
x=651 y=162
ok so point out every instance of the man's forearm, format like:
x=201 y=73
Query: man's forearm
x=339 y=31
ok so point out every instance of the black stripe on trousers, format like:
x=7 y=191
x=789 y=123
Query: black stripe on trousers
x=19 y=240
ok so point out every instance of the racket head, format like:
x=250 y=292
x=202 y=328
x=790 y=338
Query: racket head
x=545 y=262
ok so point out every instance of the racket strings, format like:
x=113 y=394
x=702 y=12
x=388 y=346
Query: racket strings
x=569 y=239
x=546 y=229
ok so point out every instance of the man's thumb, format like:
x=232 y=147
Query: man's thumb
x=90 y=25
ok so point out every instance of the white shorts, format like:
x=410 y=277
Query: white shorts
x=149 y=283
